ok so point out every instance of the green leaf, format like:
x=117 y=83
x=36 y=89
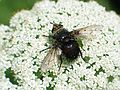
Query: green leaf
x=100 y=70
x=52 y=75
x=50 y=87
x=37 y=36
x=86 y=59
x=9 y=73
x=82 y=78
x=54 y=0
x=29 y=44
x=110 y=78
x=38 y=74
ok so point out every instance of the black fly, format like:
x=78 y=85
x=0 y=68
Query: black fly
x=65 y=42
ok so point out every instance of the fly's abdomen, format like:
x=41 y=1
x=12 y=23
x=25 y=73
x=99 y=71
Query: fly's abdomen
x=71 y=50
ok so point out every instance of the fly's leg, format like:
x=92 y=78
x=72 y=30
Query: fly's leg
x=50 y=36
x=81 y=55
x=45 y=49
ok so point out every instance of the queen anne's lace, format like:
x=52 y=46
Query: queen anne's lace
x=21 y=42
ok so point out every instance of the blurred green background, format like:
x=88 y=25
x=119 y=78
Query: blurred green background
x=9 y=7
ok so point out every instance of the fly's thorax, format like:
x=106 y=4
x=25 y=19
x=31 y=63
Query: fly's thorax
x=61 y=34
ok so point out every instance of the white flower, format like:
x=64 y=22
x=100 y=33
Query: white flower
x=22 y=41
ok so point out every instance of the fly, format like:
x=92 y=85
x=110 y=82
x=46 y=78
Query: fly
x=65 y=42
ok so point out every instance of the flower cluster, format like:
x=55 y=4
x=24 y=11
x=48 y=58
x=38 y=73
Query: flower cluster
x=22 y=41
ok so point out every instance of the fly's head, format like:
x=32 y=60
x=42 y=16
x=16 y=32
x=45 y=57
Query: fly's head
x=56 y=27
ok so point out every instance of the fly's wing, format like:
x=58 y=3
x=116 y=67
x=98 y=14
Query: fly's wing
x=50 y=59
x=86 y=32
